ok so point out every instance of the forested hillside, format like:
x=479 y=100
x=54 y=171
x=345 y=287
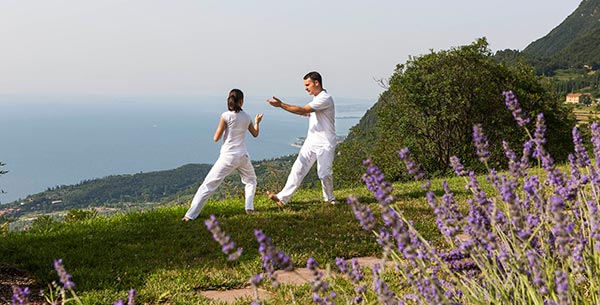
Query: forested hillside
x=571 y=34
x=159 y=187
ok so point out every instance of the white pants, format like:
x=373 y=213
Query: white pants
x=306 y=158
x=221 y=169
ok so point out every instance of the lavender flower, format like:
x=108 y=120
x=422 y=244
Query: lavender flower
x=581 y=155
x=595 y=129
x=539 y=277
x=319 y=285
x=20 y=295
x=375 y=181
x=384 y=294
x=227 y=246
x=65 y=278
x=355 y=275
x=447 y=216
x=272 y=258
x=459 y=169
x=562 y=287
x=362 y=212
x=341 y=264
x=513 y=105
x=411 y=166
x=481 y=143
x=257 y=279
x=131 y=297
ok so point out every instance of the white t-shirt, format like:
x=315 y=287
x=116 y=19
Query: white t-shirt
x=321 y=125
x=235 y=134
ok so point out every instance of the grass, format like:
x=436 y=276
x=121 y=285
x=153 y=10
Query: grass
x=170 y=261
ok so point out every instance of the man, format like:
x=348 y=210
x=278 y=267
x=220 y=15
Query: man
x=319 y=144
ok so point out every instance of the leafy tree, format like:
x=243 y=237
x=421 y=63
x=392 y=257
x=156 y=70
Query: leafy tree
x=434 y=100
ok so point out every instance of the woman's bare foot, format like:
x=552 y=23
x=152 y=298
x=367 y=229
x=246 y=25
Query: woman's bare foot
x=274 y=198
x=250 y=212
x=186 y=219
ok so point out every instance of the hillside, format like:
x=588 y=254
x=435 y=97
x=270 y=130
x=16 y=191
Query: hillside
x=157 y=188
x=578 y=27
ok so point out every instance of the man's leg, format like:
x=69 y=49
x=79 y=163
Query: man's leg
x=324 y=170
x=306 y=158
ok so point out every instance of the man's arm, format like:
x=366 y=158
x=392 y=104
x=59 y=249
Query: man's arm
x=306 y=110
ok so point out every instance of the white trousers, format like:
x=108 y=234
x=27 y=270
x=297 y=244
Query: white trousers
x=221 y=169
x=306 y=158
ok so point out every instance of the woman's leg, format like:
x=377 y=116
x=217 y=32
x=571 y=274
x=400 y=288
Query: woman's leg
x=221 y=169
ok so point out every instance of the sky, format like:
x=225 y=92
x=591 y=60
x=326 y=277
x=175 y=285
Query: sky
x=206 y=47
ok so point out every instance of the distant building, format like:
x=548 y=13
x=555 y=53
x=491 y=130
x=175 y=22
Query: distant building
x=573 y=98
x=56 y=201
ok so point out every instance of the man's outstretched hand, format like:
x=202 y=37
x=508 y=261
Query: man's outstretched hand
x=275 y=102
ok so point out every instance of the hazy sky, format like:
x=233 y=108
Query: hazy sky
x=262 y=47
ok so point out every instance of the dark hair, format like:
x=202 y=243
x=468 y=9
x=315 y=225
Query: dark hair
x=315 y=76
x=234 y=100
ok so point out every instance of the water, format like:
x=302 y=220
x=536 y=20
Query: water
x=47 y=141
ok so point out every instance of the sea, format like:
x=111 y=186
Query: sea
x=52 y=140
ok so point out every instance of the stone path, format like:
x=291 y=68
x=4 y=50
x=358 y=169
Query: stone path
x=299 y=276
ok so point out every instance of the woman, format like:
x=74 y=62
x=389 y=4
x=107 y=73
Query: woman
x=234 y=155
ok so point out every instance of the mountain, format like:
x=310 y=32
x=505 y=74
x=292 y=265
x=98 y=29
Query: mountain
x=573 y=43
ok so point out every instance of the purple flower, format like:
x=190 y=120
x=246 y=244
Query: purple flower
x=362 y=212
x=131 y=297
x=581 y=155
x=447 y=215
x=562 y=286
x=355 y=275
x=341 y=264
x=257 y=279
x=227 y=246
x=384 y=294
x=595 y=129
x=562 y=227
x=319 y=286
x=272 y=258
x=459 y=169
x=411 y=166
x=537 y=271
x=20 y=295
x=375 y=181
x=65 y=278
x=513 y=105
x=481 y=143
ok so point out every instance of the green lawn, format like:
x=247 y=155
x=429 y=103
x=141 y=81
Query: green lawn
x=170 y=261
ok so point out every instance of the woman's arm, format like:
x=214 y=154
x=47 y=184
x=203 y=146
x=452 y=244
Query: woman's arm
x=220 y=129
x=253 y=129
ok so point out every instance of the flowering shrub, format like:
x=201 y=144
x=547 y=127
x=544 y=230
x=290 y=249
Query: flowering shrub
x=533 y=240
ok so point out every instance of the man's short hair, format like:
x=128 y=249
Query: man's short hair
x=314 y=75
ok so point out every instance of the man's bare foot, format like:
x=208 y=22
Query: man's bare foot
x=274 y=198
x=186 y=219
x=250 y=212
x=333 y=202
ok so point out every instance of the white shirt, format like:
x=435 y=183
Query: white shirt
x=235 y=134
x=321 y=125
